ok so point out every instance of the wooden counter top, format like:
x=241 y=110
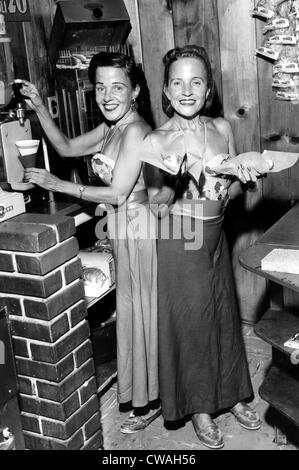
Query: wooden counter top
x=283 y=234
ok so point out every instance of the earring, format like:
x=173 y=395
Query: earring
x=133 y=105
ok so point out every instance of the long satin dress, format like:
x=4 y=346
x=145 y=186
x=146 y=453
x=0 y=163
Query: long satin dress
x=132 y=231
x=202 y=361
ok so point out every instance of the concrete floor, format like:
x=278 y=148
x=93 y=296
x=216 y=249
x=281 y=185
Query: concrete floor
x=157 y=437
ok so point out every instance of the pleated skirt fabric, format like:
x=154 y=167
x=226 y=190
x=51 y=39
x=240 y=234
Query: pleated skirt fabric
x=202 y=361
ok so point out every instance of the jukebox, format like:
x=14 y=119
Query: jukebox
x=80 y=30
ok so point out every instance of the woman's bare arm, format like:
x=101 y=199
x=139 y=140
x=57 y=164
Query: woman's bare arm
x=125 y=173
x=83 y=145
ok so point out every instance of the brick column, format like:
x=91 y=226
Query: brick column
x=41 y=288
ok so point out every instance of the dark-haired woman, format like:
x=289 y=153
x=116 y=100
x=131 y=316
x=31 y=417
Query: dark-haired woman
x=117 y=140
x=202 y=363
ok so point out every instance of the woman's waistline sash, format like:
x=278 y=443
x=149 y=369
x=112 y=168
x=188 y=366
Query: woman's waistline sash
x=203 y=209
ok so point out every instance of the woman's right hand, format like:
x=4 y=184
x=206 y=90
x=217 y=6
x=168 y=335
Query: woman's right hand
x=31 y=95
x=160 y=203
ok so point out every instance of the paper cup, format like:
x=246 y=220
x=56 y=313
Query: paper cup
x=27 y=147
x=28 y=161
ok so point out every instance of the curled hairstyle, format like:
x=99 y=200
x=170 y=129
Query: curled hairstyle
x=135 y=74
x=197 y=52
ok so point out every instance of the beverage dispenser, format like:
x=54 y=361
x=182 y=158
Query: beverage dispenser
x=14 y=127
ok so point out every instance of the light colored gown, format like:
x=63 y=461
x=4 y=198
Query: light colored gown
x=134 y=251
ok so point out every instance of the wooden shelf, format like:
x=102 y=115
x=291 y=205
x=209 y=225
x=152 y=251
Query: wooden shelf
x=281 y=390
x=93 y=300
x=276 y=326
x=105 y=374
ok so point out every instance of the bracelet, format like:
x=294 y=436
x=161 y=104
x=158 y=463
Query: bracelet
x=81 y=191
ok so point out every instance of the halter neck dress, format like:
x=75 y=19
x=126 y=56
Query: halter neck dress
x=202 y=361
x=136 y=295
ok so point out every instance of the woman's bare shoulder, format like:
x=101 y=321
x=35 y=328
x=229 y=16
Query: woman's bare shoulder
x=158 y=135
x=136 y=129
x=221 y=124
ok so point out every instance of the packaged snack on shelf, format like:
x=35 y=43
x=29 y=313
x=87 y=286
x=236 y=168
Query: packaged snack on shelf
x=283 y=80
x=265 y=9
x=268 y=52
x=96 y=283
x=101 y=260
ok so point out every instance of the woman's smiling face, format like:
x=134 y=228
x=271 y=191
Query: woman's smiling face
x=187 y=88
x=114 y=92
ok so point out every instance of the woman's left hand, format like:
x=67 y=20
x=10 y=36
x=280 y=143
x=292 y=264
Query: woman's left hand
x=42 y=178
x=247 y=174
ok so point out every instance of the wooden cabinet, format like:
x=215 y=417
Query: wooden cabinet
x=281 y=385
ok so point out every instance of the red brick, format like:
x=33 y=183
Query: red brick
x=50 y=409
x=30 y=423
x=12 y=304
x=63 y=430
x=73 y=271
x=20 y=347
x=6 y=262
x=63 y=225
x=52 y=372
x=92 y=426
x=33 y=286
x=87 y=390
x=59 y=392
x=78 y=312
x=83 y=353
x=94 y=443
x=40 y=331
x=55 y=352
x=26 y=385
x=53 y=306
x=37 y=442
x=43 y=263
x=31 y=238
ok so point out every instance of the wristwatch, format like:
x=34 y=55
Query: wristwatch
x=81 y=190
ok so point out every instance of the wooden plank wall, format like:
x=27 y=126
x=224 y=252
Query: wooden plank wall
x=157 y=38
x=230 y=35
x=196 y=22
x=241 y=108
x=36 y=34
x=135 y=34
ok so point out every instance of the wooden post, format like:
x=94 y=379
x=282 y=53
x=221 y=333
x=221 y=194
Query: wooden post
x=36 y=34
x=157 y=38
x=196 y=22
x=135 y=34
x=241 y=108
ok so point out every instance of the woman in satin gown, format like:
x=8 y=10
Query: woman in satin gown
x=202 y=363
x=115 y=143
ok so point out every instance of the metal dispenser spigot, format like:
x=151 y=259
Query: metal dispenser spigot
x=20 y=105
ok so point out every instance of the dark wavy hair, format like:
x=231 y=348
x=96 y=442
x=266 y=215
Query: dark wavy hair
x=173 y=55
x=134 y=72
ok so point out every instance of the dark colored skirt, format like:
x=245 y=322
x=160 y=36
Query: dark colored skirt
x=202 y=362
